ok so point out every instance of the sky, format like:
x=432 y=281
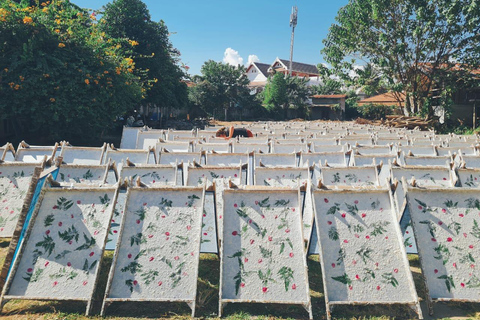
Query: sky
x=241 y=31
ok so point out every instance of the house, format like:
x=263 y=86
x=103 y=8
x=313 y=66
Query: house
x=258 y=73
x=394 y=99
x=327 y=107
x=298 y=69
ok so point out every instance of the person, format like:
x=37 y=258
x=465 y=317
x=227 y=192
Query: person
x=233 y=133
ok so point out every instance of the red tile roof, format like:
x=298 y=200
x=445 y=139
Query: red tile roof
x=327 y=96
x=388 y=99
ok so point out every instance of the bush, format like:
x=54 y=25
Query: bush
x=375 y=111
x=60 y=77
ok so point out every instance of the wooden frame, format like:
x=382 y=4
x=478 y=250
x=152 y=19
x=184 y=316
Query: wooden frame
x=399 y=195
x=23 y=147
x=102 y=180
x=66 y=147
x=148 y=168
x=5 y=297
x=4 y=149
x=33 y=179
x=133 y=155
x=161 y=190
x=320 y=196
x=430 y=277
x=252 y=192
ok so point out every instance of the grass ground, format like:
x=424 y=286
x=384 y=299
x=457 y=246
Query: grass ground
x=207 y=302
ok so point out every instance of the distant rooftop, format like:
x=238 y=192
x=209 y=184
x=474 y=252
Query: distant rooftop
x=329 y=96
x=387 y=99
x=301 y=67
x=263 y=67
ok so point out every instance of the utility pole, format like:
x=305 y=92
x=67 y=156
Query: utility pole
x=293 y=24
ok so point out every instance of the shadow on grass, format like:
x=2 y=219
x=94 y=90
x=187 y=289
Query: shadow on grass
x=4 y=243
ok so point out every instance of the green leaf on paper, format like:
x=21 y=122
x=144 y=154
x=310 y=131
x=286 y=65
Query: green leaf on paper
x=343 y=279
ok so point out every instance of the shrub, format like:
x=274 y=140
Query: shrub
x=375 y=111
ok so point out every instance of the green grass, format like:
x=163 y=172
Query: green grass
x=207 y=301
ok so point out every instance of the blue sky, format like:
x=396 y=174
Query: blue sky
x=204 y=30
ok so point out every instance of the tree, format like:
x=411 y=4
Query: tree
x=219 y=86
x=330 y=83
x=283 y=92
x=275 y=94
x=410 y=41
x=157 y=61
x=59 y=78
x=297 y=93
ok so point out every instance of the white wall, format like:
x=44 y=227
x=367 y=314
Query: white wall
x=255 y=76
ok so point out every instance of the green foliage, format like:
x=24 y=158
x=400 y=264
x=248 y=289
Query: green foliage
x=48 y=244
x=448 y=281
x=220 y=86
x=343 y=279
x=69 y=235
x=286 y=274
x=59 y=75
x=157 y=62
x=411 y=45
x=89 y=267
x=283 y=92
x=48 y=221
x=275 y=94
x=90 y=242
x=375 y=111
x=351 y=106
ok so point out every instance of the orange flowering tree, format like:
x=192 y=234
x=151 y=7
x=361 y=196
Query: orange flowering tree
x=158 y=62
x=61 y=77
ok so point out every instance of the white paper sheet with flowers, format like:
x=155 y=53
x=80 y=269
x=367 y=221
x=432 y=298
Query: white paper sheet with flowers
x=366 y=176
x=361 y=249
x=151 y=175
x=60 y=256
x=446 y=224
x=424 y=177
x=15 y=179
x=198 y=176
x=290 y=177
x=262 y=257
x=156 y=257
x=70 y=174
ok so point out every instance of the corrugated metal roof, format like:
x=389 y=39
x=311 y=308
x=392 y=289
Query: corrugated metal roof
x=301 y=67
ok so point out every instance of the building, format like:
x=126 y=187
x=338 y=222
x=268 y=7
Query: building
x=385 y=99
x=328 y=107
x=258 y=73
x=298 y=69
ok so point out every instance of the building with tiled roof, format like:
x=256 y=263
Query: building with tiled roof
x=396 y=99
x=258 y=73
x=298 y=69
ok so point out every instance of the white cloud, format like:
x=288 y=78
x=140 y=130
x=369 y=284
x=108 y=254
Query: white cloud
x=252 y=58
x=232 y=57
x=353 y=73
